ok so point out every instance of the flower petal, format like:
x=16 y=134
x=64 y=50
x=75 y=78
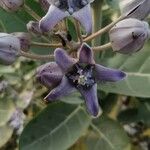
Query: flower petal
x=91 y=100
x=85 y=54
x=49 y=74
x=107 y=74
x=84 y=16
x=53 y=16
x=63 y=59
x=63 y=89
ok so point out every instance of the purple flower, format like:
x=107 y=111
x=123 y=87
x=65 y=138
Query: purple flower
x=81 y=74
x=59 y=9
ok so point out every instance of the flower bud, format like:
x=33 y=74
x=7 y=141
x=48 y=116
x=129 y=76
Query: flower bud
x=49 y=74
x=25 y=40
x=11 y=5
x=129 y=35
x=33 y=27
x=135 y=8
x=9 y=48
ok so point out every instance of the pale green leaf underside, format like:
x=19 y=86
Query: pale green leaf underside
x=5 y=134
x=109 y=135
x=56 y=128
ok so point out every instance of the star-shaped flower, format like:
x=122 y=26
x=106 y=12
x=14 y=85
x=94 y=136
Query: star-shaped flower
x=60 y=9
x=82 y=74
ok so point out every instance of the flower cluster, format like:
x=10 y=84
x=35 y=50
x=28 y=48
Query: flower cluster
x=66 y=74
x=82 y=74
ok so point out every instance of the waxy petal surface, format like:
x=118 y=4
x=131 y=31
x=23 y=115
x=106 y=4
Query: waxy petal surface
x=85 y=54
x=63 y=59
x=63 y=89
x=52 y=18
x=107 y=74
x=91 y=100
x=84 y=16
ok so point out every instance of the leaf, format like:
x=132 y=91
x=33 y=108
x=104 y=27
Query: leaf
x=74 y=98
x=5 y=134
x=55 y=128
x=113 y=3
x=108 y=135
x=6 y=110
x=137 y=67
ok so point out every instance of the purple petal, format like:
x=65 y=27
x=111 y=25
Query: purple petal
x=91 y=100
x=63 y=59
x=49 y=74
x=85 y=54
x=53 y=16
x=107 y=74
x=63 y=89
x=84 y=16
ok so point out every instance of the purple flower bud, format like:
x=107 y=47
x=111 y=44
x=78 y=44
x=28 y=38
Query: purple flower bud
x=44 y=4
x=49 y=74
x=25 y=40
x=11 y=5
x=135 y=8
x=9 y=48
x=33 y=27
x=129 y=35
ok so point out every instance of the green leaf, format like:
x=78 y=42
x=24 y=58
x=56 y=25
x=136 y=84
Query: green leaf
x=55 y=128
x=108 y=135
x=5 y=134
x=137 y=67
x=6 y=110
x=74 y=98
x=113 y=3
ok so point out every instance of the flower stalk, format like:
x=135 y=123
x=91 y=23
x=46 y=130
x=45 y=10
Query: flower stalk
x=35 y=56
x=103 y=30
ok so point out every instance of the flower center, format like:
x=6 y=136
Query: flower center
x=81 y=75
x=71 y=5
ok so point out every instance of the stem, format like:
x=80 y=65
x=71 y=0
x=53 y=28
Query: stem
x=35 y=56
x=77 y=25
x=102 y=47
x=32 y=13
x=97 y=20
x=45 y=44
x=105 y=29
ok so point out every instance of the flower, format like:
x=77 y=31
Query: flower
x=139 y=9
x=129 y=35
x=9 y=48
x=59 y=9
x=80 y=74
x=11 y=5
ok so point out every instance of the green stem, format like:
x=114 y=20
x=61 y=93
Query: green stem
x=38 y=44
x=97 y=20
x=35 y=56
x=102 y=47
x=103 y=30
